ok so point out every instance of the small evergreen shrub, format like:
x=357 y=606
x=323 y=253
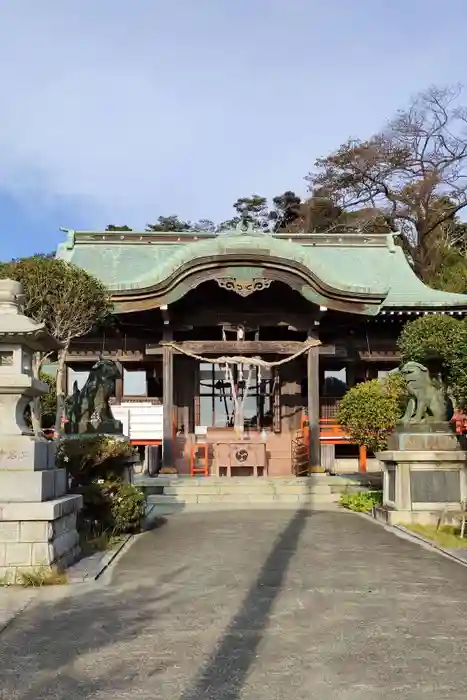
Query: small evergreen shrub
x=94 y=457
x=361 y=502
x=97 y=467
x=369 y=411
x=112 y=507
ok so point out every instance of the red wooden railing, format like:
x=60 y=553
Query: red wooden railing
x=331 y=433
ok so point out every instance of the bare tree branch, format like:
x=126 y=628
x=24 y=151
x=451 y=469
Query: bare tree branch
x=414 y=171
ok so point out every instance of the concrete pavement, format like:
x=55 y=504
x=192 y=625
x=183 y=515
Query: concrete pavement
x=250 y=605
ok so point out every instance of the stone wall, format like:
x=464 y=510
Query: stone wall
x=29 y=545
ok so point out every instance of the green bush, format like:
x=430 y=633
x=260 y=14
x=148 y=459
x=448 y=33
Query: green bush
x=97 y=468
x=88 y=459
x=369 y=411
x=112 y=507
x=127 y=507
x=361 y=502
x=49 y=400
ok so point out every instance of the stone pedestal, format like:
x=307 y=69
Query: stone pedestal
x=424 y=472
x=37 y=517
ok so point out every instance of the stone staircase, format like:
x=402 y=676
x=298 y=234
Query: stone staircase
x=317 y=492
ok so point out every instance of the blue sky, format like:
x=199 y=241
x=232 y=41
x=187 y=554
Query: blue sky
x=118 y=111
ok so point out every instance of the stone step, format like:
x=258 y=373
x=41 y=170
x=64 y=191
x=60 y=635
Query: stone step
x=175 y=508
x=249 y=480
x=194 y=498
x=211 y=489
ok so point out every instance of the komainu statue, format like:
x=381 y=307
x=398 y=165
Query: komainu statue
x=88 y=410
x=428 y=401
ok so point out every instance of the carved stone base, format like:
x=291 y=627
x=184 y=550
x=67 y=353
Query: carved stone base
x=424 y=471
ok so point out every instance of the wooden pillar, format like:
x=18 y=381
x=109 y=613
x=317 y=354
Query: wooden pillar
x=362 y=455
x=167 y=373
x=313 y=404
x=119 y=384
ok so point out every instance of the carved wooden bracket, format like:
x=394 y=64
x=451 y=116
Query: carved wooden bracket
x=244 y=287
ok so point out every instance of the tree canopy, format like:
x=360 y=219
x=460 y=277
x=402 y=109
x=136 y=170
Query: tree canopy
x=440 y=343
x=409 y=178
x=413 y=173
x=68 y=300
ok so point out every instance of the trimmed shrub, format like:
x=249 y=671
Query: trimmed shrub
x=95 y=457
x=97 y=466
x=369 y=411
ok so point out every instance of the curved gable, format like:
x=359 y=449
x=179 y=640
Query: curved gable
x=351 y=271
x=243 y=259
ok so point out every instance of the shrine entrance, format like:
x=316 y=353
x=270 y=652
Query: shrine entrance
x=232 y=395
x=239 y=415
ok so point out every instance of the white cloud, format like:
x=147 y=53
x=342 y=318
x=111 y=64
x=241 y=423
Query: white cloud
x=135 y=108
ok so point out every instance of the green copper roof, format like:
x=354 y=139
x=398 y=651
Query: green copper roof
x=351 y=262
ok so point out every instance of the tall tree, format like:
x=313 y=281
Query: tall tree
x=204 y=225
x=169 y=223
x=253 y=210
x=70 y=303
x=286 y=212
x=405 y=170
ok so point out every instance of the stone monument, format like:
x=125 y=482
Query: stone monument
x=424 y=465
x=37 y=517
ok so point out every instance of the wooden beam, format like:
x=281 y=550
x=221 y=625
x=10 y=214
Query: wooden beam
x=245 y=347
x=93 y=356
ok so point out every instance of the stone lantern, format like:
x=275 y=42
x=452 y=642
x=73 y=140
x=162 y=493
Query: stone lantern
x=37 y=517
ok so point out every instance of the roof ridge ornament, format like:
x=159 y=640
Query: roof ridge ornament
x=246 y=225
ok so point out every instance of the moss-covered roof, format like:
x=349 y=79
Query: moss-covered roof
x=350 y=263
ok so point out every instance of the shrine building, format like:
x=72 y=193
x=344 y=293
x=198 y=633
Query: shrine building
x=314 y=312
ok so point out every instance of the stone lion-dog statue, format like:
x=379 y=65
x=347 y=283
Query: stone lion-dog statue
x=428 y=401
x=88 y=410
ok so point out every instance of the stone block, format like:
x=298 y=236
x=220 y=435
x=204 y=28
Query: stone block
x=66 y=542
x=9 y=532
x=68 y=522
x=435 y=486
x=35 y=531
x=60 y=487
x=51 y=454
x=432 y=436
x=24 y=453
x=2 y=554
x=27 y=486
x=47 y=510
x=42 y=554
x=17 y=554
x=48 y=553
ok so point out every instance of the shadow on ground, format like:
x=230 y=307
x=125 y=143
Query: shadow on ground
x=40 y=652
x=224 y=674
x=101 y=640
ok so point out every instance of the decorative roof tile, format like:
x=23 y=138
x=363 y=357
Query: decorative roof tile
x=351 y=262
